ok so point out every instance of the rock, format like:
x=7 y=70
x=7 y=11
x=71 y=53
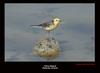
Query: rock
x=47 y=48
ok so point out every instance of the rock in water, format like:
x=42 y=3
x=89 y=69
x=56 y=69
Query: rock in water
x=47 y=48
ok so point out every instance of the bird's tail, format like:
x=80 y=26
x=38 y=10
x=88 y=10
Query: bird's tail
x=39 y=26
x=35 y=25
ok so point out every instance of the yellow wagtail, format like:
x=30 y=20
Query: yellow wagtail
x=49 y=26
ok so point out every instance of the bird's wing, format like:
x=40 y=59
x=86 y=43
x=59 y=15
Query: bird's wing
x=46 y=24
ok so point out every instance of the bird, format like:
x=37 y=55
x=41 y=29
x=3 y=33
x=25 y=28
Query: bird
x=49 y=26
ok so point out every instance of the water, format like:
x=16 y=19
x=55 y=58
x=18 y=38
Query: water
x=74 y=34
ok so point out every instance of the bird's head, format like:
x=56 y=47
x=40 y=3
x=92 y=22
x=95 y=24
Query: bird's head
x=56 y=20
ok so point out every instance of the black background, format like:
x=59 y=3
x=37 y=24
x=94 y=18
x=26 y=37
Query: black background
x=83 y=67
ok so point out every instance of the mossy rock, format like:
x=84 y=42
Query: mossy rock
x=47 y=48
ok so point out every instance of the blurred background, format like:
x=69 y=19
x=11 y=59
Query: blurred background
x=76 y=33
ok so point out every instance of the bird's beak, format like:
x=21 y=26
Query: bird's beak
x=60 y=21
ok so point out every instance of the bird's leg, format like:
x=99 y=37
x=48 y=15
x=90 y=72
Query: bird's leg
x=48 y=33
